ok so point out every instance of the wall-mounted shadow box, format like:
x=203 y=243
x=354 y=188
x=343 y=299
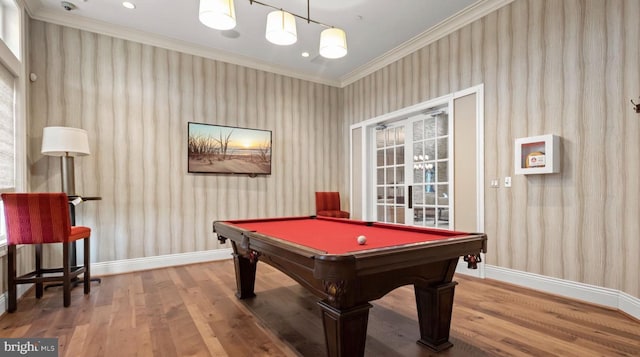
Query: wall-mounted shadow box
x=537 y=155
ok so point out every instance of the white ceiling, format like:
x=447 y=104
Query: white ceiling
x=378 y=31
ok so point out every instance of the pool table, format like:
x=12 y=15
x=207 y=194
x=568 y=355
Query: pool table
x=323 y=255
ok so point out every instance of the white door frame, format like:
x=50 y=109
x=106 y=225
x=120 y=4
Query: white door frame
x=367 y=186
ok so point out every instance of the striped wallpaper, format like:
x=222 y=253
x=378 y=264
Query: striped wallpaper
x=560 y=67
x=135 y=101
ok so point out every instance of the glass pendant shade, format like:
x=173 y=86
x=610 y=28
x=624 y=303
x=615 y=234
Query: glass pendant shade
x=333 y=43
x=281 y=28
x=218 y=14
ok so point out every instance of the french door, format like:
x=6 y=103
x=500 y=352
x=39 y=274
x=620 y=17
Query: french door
x=413 y=170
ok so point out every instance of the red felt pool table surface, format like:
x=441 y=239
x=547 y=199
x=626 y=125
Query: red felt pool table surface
x=339 y=236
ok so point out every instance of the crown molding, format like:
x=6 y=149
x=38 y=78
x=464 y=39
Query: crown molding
x=466 y=16
x=122 y=32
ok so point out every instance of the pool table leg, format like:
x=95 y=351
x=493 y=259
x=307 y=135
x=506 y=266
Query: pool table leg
x=245 y=276
x=345 y=331
x=434 y=305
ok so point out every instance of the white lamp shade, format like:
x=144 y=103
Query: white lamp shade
x=218 y=14
x=64 y=141
x=281 y=28
x=333 y=43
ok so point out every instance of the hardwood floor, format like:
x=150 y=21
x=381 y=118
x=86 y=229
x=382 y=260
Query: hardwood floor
x=192 y=311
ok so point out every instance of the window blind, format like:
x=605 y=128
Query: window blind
x=7 y=124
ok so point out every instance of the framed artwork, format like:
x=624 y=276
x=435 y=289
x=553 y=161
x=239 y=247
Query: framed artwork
x=223 y=149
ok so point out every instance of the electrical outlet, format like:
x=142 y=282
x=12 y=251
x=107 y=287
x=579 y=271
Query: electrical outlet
x=507 y=181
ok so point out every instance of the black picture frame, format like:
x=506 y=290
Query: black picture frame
x=222 y=149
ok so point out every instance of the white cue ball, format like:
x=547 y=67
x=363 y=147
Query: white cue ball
x=362 y=240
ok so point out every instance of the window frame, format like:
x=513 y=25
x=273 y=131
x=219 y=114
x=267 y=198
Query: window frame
x=12 y=45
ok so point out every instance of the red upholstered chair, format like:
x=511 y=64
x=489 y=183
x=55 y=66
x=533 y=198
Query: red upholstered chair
x=328 y=204
x=42 y=218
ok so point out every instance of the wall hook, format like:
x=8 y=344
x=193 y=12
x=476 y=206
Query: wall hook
x=636 y=107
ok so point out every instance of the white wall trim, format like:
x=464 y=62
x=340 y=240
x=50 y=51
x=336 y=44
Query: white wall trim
x=160 y=261
x=589 y=293
x=629 y=305
x=22 y=288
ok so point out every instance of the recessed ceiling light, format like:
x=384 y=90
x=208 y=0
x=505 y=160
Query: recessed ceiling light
x=305 y=54
x=128 y=5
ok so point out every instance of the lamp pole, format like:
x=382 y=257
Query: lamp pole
x=68 y=175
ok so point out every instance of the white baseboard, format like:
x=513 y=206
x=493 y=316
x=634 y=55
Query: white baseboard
x=161 y=261
x=22 y=288
x=589 y=293
x=630 y=305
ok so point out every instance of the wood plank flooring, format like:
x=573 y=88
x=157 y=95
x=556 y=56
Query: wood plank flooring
x=192 y=311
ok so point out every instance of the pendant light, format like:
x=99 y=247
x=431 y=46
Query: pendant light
x=281 y=25
x=218 y=14
x=333 y=43
x=281 y=28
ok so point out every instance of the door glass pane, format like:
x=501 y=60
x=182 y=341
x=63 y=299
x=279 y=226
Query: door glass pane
x=399 y=214
x=443 y=195
x=380 y=157
x=380 y=213
x=389 y=140
x=379 y=138
x=430 y=149
x=418 y=127
x=443 y=172
x=380 y=194
x=429 y=128
x=400 y=155
x=390 y=195
x=399 y=176
x=443 y=217
x=380 y=177
x=429 y=216
x=418 y=174
x=418 y=216
x=442 y=124
x=391 y=214
x=430 y=197
x=418 y=154
x=418 y=194
x=443 y=148
x=399 y=135
x=400 y=195
x=429 y=177
x=389 y=155
x=390 y=176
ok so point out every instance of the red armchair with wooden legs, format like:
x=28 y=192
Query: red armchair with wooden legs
x=42 y=218
x=328 y=204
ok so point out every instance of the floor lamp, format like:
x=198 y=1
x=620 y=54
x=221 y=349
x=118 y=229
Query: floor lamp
x=66 y=143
